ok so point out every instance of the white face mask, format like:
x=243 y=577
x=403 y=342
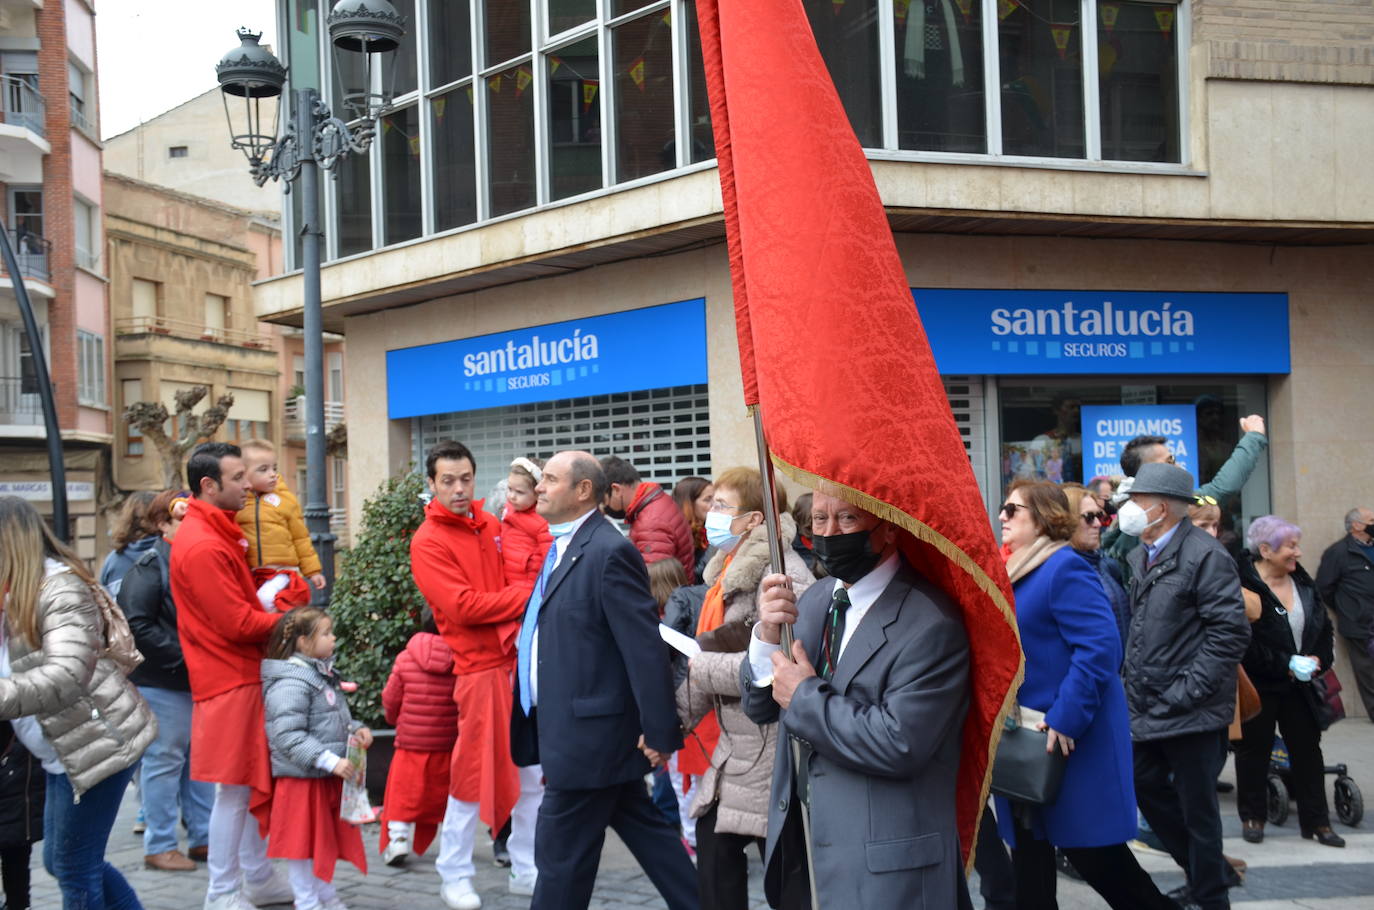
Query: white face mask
x=718 y=533
x=1134 y=520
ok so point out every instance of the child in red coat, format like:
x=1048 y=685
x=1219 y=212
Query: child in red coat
x=418 y=702
x=525 y=537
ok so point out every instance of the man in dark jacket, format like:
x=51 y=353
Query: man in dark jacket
x=1188 y=634
x=1346 y=582
x=168 y=791
x=657 y=528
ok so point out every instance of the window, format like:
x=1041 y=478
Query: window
x=338 y=471
x=336 y=379
x=249 y=416
x=510 y=138
x=178 y=151
x=131 y=392
x=78 y=91
x=847 y=34
x=145 y=295
x=939 y=77
x=216 y=315
x=455 y=158
x=643 y=61
x=87 y=229
x=90 y=383
x=450 y=42
x=354 y=209
x=1137 y=57
x=400 y=149
x=298 y=370
x=573 y=75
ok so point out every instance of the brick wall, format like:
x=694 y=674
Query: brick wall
x=1323 y=41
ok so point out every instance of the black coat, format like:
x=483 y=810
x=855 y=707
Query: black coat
x=23 y=784
x=146 y=599
x=1271 y=638
x=681 y=612
x=1188 y=634
x=1346 y=582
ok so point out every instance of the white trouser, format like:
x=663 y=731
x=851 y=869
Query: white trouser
x=684 y=800
x=235 y=848
x=397 y=830
x=459 y=831
x=310 y=892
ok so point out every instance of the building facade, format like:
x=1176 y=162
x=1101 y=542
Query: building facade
x=50 y=178
x=1114 y=216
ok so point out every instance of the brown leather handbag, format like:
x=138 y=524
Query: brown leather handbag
x=1247 y=703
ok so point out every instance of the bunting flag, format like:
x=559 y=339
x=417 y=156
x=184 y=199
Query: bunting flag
x=523 y=78
x=589 y=87
x=1006 y=7
x=668 y=18
x=637 y=73
x=966 y=7
x=1107 y=13
x=470 y=99
x=1062 y=32
x=415 y=146
x=1164 y=17
x=836 y=6
x=554 y=64
x=495 y=83
x=439 y=105
x=900 y=8
x=814 y=267
x=1106 y=58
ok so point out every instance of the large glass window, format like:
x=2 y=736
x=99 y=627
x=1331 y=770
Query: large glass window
x=507 y=30
x=407 y=61
x=353 y=209
x=645 y=128
x=401 y=175
x=303 y=43
x=566 y=14
x=939 y=66
x=450 y=42
x=1040 y=49
x=1137 y=57
x=455 y=161
x=510 y=140
x=698 y=99
x=574 y=119
x=847 y=34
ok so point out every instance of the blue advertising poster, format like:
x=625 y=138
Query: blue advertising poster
x=650 y=348
x=1107 y=429
x=1065 y=332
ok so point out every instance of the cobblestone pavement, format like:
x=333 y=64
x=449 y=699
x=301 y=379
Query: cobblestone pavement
x=1285 y=871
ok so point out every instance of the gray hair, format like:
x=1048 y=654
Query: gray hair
x=586 y=467
x=1352 y=517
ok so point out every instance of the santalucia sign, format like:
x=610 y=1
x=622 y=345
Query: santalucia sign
x=1004 y=332
x=617 y=352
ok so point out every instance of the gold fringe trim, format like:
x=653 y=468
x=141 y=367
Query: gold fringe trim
x=955 y=554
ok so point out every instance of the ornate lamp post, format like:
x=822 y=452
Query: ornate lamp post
x=251 y=80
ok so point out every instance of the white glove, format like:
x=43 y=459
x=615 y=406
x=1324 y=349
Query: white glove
x=267 y=594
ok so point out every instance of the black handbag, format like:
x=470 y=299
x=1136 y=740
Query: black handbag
x=1023 y=771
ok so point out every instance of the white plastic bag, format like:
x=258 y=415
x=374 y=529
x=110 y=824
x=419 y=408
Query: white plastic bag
x=356 y=808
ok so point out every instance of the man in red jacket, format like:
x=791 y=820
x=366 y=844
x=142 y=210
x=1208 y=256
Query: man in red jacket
x=223 y=631
x=455 y=557
x=657 y=528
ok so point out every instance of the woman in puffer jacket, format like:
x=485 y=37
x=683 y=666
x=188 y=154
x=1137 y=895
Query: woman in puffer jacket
x=69 y=702
x=731 y=803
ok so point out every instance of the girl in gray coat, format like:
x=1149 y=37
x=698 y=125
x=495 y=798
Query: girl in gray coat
x=63 y=689
x=309 y=731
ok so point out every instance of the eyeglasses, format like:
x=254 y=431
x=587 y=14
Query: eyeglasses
x=1008 y=510
x=1094 y=518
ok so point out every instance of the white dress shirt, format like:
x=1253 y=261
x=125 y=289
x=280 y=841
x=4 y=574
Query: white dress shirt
x=560 y=544
x=862 y=595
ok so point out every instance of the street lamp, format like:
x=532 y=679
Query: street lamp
x=252 y=80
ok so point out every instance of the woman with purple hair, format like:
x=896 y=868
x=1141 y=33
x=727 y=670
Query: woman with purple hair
x=1290 y=643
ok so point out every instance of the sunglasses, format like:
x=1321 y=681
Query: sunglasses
x=1008 y=510
x=1094 y=518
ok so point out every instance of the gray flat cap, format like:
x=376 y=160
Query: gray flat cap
x=1163 y=479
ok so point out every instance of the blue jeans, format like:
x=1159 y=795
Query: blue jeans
x=74 y=841
x=166 y=777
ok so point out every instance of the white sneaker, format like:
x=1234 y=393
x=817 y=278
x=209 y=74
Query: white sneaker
x=333 y=903
x=460 y=896
x=275 y=889
x=522 y=885
x=397 y=849
x=234 y=900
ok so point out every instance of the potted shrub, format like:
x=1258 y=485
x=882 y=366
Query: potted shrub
x=376 y=607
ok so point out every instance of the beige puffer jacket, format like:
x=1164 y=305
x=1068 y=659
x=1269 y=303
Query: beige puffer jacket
x=95 y=719
x=741 y=772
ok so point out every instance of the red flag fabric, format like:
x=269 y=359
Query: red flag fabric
x=831 y=345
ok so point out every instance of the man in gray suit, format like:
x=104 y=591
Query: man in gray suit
x=877 y=699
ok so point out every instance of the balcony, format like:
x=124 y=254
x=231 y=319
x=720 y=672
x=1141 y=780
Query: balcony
x=19 y=403
x=161 y=325
x=23 y=141
x=31 y=252
x=294 y=425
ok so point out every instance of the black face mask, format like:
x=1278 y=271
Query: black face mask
x=848 y=557
x=617 y=514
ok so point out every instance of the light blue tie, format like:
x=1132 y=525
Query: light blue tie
x=526 y=641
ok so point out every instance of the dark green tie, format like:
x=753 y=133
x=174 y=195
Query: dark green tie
x=833 y=638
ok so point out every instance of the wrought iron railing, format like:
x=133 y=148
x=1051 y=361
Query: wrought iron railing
x=22 y=104
x=161 y=325
x=19 y=402
x=31 y=251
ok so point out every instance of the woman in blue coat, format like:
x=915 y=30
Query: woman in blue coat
x=1073 y=652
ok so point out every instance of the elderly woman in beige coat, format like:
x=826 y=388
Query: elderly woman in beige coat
x=64 y=650
x=731 y=804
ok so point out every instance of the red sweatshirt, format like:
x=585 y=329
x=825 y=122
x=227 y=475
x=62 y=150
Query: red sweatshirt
x=525 y=542
x=457 y=567
x=222 y=627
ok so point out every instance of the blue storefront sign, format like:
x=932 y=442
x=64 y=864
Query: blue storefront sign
x=650 y=348
x=1107 y=429
x=1066 y=332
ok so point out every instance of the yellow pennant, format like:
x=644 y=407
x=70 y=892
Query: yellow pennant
x=523 y=78
x=1106 y=59
x=668 y=18
x=1061 y=32
x=1108 y=12
x=439 y=105
x=589 y=94
x=469 y=94
x=1006 y=7
x=554 y=64
x=637 y=73
x=1165 y=18
x=901 y=7
x=495 y=84
x=415 y=147
x=965 y=7
x=836 y=6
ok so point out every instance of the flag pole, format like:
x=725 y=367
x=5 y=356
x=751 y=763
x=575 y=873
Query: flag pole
x=777 y=558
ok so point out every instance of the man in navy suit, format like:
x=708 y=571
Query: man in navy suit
x=594 y=699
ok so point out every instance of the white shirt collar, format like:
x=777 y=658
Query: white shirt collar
x=866 y=590
x=561 y=542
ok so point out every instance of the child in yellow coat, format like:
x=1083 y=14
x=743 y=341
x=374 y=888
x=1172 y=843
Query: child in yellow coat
x=279 y=549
